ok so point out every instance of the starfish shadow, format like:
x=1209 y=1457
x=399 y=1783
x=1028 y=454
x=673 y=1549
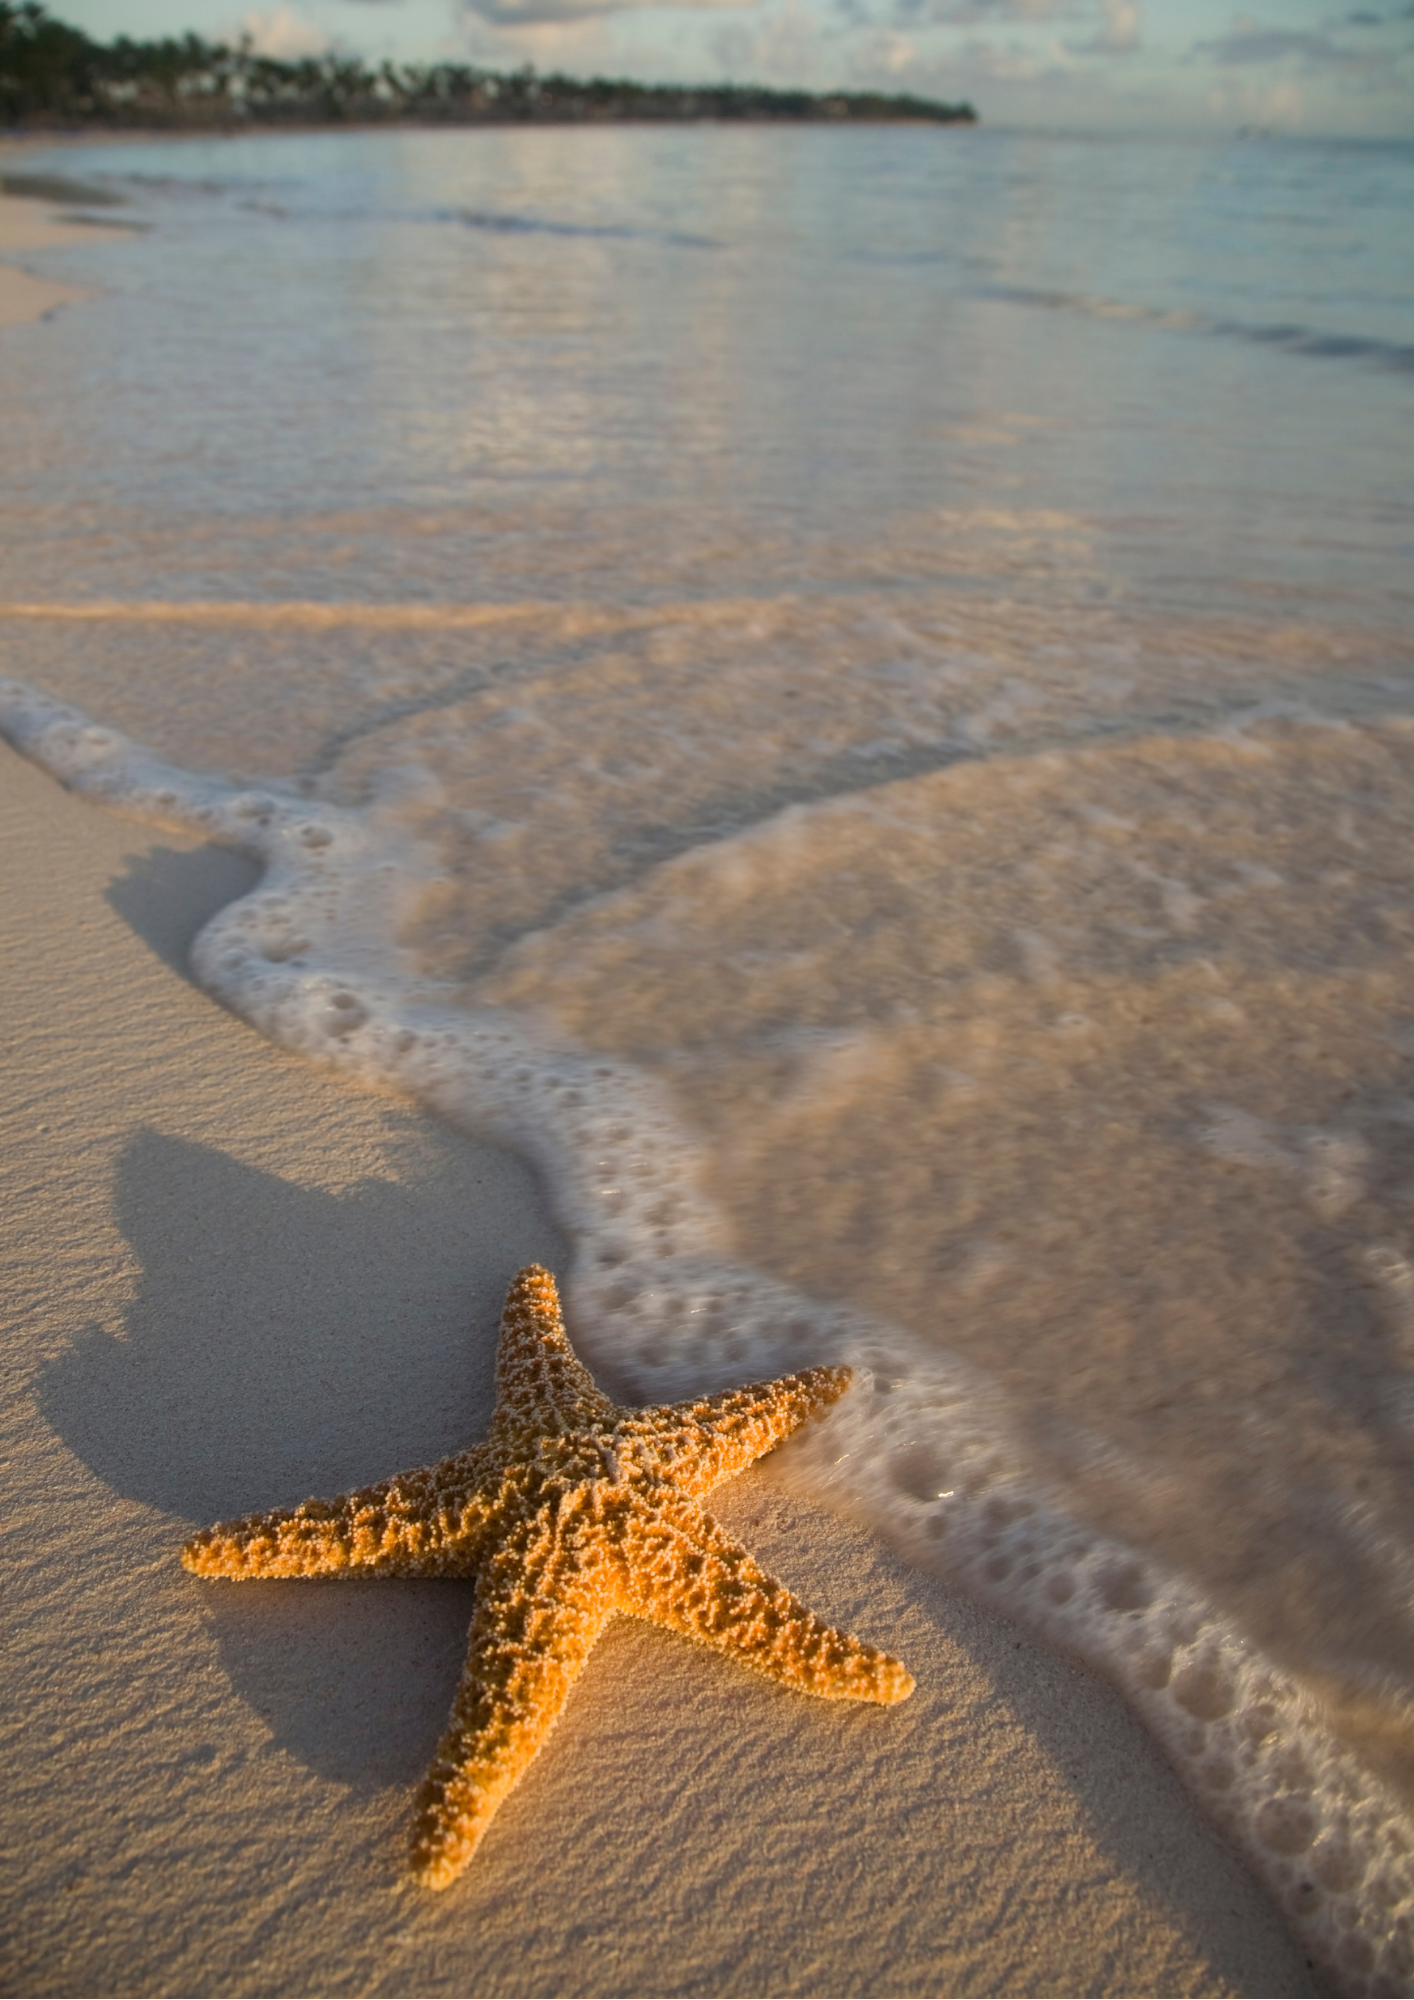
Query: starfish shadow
x=284 y=1341
x=354 y=1680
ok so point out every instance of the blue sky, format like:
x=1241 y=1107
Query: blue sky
x=1294 y=65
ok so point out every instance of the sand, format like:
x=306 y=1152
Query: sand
x=36 y=225
x=228 y=1282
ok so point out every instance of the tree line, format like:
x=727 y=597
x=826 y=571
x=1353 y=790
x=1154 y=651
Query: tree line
x=53 y=74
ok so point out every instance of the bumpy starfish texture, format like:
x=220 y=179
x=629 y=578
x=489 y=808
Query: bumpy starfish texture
x=571 y=1511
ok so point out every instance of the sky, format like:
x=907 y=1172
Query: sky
x=1072 y=65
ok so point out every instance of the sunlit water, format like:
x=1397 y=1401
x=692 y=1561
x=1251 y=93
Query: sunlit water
x=850 y=691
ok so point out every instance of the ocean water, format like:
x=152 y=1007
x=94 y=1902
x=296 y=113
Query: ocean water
x=851 y=694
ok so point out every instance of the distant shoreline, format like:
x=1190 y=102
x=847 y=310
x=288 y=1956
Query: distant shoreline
x=54 y=75
x=651 y=105
x=35 y=132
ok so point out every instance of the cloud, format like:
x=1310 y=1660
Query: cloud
x=1250 y=44
x=995 y=62
x=582 y=44
x=532 y=13
x=783 y=47
x=1116 y=28
x=883 y=55
x=1118 y=33
x=1249 y=102
x=983 y=13
x=282 y=34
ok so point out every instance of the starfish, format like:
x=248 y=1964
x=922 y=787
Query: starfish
x=572 y=1510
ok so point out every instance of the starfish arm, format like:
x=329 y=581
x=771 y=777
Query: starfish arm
x=540 y=1606
x=707 y=1440
x=537 y=1373
x=684 y=1571
x=430 y=1522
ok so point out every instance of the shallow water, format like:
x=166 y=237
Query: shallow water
x=852 y=693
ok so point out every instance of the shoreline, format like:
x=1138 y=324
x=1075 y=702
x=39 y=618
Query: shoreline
x=210 y=1248
x=27 y=224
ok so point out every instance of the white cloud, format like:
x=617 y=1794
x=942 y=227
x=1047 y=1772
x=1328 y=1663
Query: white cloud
x=1116 y=23
x=879 y=62
x=1249 y=43
x=783 y=47
x=529 y=13
x=1118 y=32
x=1009 y=63
x=883 y=52
x=980 y=13
x=977 y=13
x=282 y=34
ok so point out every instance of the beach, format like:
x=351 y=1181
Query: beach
x=212 y=1253
x=27 y=226
x=238 y=1276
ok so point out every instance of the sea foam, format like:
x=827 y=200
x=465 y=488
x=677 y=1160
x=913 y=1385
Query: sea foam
x=925 y=1448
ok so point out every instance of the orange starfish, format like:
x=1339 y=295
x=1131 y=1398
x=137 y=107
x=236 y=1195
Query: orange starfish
x=571 y=1510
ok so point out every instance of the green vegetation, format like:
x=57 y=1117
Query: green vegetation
x=52 y=74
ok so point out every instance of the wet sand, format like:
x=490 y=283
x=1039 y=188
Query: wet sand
x=26 y=226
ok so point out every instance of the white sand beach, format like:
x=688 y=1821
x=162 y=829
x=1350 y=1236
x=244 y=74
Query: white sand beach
x=231 y=1279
